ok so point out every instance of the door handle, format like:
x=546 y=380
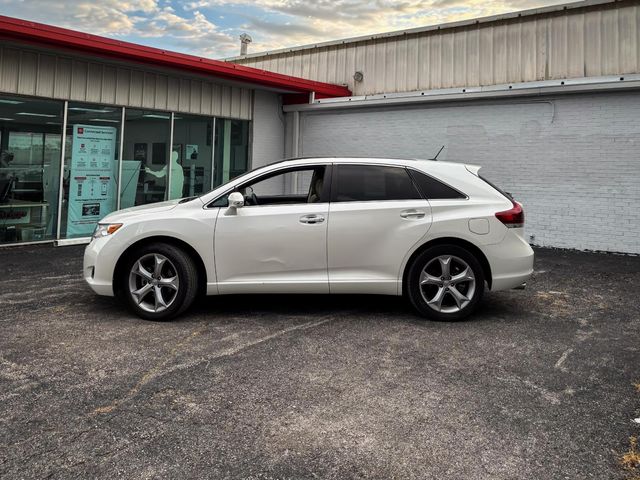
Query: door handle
x=412 y=214
x=312 y=219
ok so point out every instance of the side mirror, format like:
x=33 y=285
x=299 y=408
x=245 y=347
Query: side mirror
x=236 y=200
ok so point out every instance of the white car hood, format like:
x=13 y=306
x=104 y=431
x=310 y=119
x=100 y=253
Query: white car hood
x=122 y=215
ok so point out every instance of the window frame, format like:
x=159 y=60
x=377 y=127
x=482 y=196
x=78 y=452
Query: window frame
x=334 y=183
x=326 y=187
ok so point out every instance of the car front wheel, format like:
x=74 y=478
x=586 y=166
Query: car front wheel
x=158 y=281
x=446 y=283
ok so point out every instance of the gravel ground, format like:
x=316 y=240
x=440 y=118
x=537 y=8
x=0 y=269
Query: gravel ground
x=537 y=385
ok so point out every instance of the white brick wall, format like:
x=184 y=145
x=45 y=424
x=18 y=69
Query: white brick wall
x=573 y=160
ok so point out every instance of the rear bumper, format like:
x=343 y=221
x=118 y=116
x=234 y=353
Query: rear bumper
x=511 y=261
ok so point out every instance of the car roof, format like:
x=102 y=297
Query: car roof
x=370 y=160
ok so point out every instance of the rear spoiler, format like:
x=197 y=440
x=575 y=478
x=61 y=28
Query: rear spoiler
x=473 y=169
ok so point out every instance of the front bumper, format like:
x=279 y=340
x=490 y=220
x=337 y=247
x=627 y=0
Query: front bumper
x=97 y=273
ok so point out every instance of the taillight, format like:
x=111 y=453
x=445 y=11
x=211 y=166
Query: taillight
x=512 y=218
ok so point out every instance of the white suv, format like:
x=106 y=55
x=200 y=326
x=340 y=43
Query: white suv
x=435 y=232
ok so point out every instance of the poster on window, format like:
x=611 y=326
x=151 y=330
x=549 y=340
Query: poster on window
x=192 y=152
x=92 y=180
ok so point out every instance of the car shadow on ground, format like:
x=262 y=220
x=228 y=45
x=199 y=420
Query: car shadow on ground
x=321 y=305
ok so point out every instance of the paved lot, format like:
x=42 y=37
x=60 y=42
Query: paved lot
x=537 y=385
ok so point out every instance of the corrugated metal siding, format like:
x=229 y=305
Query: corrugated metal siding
x=592 y=41
x=30 y=72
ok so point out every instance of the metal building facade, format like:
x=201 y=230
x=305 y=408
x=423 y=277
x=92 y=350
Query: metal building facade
x=585 y=39
x=25 y=71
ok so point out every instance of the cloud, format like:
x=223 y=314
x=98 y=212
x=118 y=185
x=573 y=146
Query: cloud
x=309 y=22
x=146 y=21
x=189 y=26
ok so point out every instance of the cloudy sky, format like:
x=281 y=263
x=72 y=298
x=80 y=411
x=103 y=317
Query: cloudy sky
x=211 y=27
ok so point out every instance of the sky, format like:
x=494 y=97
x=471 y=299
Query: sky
x=210 y=28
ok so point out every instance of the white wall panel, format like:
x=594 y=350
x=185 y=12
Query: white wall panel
x=46 y=70
x=27 y=71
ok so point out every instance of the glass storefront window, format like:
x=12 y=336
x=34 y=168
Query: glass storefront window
x=204 y=153
x=145 y=157
x=192 y=145
x=30 y=146
x=231 y=149
x=90 y=167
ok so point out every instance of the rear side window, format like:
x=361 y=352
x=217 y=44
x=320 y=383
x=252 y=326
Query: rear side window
x=362 y=183
x=433 y=189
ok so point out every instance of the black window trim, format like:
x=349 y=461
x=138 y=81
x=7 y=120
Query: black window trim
x=463 y=196
x=326 y=187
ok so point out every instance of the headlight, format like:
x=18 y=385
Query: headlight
x=105 y=229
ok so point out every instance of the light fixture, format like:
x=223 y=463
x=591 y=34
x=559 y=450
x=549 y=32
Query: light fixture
x=6 y=119
x=358 y=76
x=54 y=123
x=10 y=102
x=155 y=115
x=31 y=114
x=92 y=110
x=103 y=120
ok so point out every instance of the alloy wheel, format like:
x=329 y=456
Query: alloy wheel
x=447 y=284
x=153 y=282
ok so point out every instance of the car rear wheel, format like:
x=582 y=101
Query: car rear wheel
x=445 y=283
x=158 y=282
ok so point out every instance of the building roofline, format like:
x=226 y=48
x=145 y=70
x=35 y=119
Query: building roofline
x=49 y=36
x=437 y=27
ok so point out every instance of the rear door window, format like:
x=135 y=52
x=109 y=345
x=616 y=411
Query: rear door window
x=368 y=183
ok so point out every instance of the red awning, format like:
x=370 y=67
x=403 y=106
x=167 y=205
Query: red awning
x=54 y=37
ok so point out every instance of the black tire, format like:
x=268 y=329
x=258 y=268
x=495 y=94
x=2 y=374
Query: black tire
x=415 y=291
x=180 y=265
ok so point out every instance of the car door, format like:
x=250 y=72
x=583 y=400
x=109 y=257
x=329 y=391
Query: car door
x=376 y=216
x=277 y=241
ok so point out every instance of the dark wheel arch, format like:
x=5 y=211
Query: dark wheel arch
x=486 y=268
x=188 y=249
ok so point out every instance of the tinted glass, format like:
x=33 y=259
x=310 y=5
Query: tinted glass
x=192 y=143
x=231 y=157
x=357 y=183
x=30 y=148
x=433 y=189
x=146 y=157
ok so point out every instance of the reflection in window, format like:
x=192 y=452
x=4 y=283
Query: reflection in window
x=145 y=158
x=90 y=167
x=30 y=146
x=192 y=142
x=232 y=149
